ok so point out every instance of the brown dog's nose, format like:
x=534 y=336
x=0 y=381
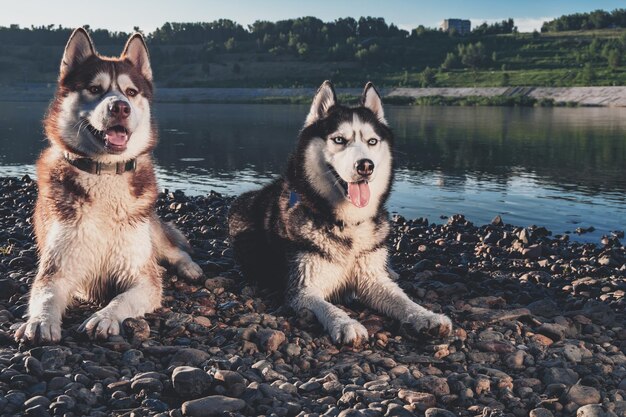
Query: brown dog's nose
x=364 y=167
x=119 y=108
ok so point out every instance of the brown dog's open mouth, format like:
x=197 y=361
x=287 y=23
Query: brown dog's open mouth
x=115 y=138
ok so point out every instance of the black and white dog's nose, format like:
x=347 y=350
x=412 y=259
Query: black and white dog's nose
x=364 y=167
x=120 y=109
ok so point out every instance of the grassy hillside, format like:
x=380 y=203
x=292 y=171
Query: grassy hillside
x=421 y=58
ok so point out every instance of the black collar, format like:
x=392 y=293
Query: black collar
x=95 y=167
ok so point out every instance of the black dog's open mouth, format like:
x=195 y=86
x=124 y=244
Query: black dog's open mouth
x=115 y=138
x=358 y=192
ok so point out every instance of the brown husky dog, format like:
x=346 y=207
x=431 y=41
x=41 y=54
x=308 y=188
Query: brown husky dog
x=97 y=232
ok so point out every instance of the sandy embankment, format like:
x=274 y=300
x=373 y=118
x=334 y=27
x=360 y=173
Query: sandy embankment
x=586 y=96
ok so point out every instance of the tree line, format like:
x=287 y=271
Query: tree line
x=368 y=40
x=377 y=46
x=597 y=19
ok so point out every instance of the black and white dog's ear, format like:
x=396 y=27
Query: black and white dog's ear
x=136 y=51
x=324 y=99
x=371 y=100
x=79 y=47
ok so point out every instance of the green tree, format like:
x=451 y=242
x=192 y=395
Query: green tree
x=405 y=79
x=230 y=45
x=472 y=55
x=362 y=55
x=419 y=31
x=588 y=75
x=451 y=61
x=615 y=58
x=428 y=77
x=303 y=49
x=594 y=48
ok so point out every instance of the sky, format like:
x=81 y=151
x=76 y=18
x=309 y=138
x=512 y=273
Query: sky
x=407 y=14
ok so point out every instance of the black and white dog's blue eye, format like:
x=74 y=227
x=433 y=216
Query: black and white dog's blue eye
x=372 y=141
x=340 y=140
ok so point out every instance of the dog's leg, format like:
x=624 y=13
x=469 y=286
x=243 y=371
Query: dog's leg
x=143 y=296
x=49 y=297
x=314 y=279
x=379 y=291
x=171 y=246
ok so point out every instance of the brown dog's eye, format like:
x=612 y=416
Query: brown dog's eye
x=95 y=89
x=131 y=92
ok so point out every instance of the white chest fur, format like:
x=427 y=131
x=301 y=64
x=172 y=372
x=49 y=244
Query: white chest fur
x=103 y=241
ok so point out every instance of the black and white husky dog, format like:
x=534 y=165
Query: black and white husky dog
x=320 y=233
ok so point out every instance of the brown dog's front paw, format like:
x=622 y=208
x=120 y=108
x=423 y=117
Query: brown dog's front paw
x=100 y=325
x=39 y=330
x=189 y=270
x=437 y=325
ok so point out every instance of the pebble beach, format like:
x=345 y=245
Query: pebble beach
x=539 y=330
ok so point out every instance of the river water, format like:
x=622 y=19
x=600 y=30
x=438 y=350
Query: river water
x=562 y=168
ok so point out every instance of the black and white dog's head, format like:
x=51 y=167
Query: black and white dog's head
x=102 y=106
x=344 y=155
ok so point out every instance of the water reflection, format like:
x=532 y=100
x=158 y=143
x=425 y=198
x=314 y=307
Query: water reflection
x=556 y=167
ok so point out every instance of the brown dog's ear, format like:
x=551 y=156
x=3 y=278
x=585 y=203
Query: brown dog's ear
x=136 y=51
x=324 y=99
x=371 y=100
x=79 y=47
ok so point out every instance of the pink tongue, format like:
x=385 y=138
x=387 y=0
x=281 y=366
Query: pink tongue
x=359 y=193
x=116 y=138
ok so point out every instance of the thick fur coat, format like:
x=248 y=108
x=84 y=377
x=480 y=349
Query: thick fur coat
x=97 y=233
x=320 y=232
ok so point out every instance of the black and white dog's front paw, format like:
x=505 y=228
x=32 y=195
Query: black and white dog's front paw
x=347 y=331
x=39 y=330
x=432 y=323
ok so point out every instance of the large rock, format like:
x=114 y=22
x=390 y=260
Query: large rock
x=54 y=357
x=559 y=376
x=270 y=340
x=439 y=412
x=554 y=331
x=583 y=395
x=213 y=405
x=540 y=412
x=434 y=385
x=137 y=329
x=147 y=384
x=592 y=410
x=421 y=400
x=218 y=282
x=189 y=356
x=229 y=378
x=190 y=382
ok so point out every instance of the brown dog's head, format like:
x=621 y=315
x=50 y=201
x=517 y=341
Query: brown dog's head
x=102 y=105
